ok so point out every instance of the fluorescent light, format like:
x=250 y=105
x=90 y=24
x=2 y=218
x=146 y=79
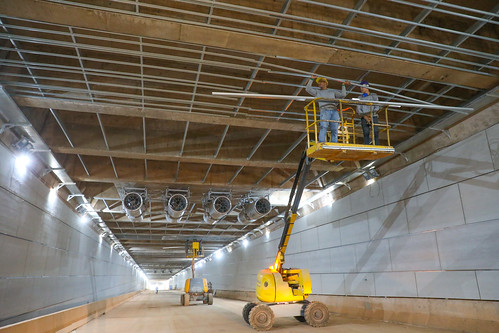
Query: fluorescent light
x=245 y=242
x=267 y=233
x=219 y=254
x=370 y=181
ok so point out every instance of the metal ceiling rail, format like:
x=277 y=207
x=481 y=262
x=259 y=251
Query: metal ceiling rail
x=471 y=30
x=220 y=85
x=241 y=100
x=86 y=81
x=114 y=62
x=160 y=107
x=369 y=32
x=475 y=18
x=130 y=42
x=195 y=51
x=396 y=57
x=116 y=94
x=305 y=74
x=394 y=19
x=113 y=102
x=312 y=21
x=114 y=50
x=114 y=74
x=91 y=98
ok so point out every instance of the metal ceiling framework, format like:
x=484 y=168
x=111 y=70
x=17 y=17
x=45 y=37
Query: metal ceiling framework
x=121 y=93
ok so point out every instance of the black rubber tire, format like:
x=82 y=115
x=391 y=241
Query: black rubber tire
x=301 y=317
x=182 y=299
x=210 y=299
x=186 y=299
x=246 y=310
x=316 y=314
x=261 y=317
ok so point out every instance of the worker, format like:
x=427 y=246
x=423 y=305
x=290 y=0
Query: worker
x=157 y=289
x=329 y=116
x=366 y=111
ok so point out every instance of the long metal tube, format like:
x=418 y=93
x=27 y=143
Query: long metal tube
x=303 y=98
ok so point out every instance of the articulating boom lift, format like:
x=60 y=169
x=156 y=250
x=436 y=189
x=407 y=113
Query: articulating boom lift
x=196 y=289
x=285 y=290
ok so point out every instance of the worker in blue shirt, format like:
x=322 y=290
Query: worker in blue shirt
x=329 y=117
x=368 y=113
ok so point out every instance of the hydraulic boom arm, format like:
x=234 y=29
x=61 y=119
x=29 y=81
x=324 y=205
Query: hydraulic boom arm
x=292 y=209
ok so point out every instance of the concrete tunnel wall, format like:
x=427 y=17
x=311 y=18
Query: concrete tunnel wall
x=49 y=259
x=429 y=230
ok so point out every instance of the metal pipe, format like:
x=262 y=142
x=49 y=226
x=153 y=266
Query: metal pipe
x=353 y=101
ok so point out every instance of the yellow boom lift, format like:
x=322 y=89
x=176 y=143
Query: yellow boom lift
x=195 y=289
x=284 y=291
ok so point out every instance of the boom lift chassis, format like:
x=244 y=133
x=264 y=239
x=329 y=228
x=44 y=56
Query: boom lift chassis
x=283 y=291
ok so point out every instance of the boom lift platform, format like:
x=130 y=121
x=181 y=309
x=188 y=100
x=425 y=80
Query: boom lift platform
x=284 y=291
x=196 y=289
x=346 y=149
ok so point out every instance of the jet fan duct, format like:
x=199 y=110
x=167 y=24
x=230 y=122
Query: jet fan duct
x=134 y=202
x=175 y=207
x=254 y=209
x=216 y=208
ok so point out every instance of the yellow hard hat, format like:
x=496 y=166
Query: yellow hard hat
x=319 y=79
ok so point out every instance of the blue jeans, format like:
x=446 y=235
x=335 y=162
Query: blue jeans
x=366 y=129
x=329 y=114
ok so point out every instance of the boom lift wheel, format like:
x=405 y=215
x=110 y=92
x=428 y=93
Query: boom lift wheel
x=316 y=314
x=182 y=299
x=246 y=310
x=261 y=317
x=186 y=299
x=210 y=299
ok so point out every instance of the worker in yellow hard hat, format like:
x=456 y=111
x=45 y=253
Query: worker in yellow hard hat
x=329 y=117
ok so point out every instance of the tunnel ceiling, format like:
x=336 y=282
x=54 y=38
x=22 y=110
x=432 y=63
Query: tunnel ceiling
x=121 y=93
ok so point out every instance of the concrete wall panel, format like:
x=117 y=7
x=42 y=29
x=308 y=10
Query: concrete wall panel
x=13 y=256
x=6 y=168
x=309 y=240
x=354 y=229
x=373 y=256
x=329 y=235
x=480 y=197
x=398 y=284
x=333 y=284
x=473 y=246
x=405 y=183
x=361 y=284
x=343 y=259
x=488 y=284
x=388 y=221
x=366 y=198
x=447 y=284
x=435 y=210
x=463 y=160
x=493 y=139
x=414 y=252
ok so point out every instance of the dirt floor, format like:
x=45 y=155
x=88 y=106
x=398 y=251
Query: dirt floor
x=162 y=312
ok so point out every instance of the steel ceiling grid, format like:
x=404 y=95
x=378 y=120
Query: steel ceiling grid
x=299 y=19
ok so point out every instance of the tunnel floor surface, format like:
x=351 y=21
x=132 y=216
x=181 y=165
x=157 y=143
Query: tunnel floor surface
x=162 y=312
